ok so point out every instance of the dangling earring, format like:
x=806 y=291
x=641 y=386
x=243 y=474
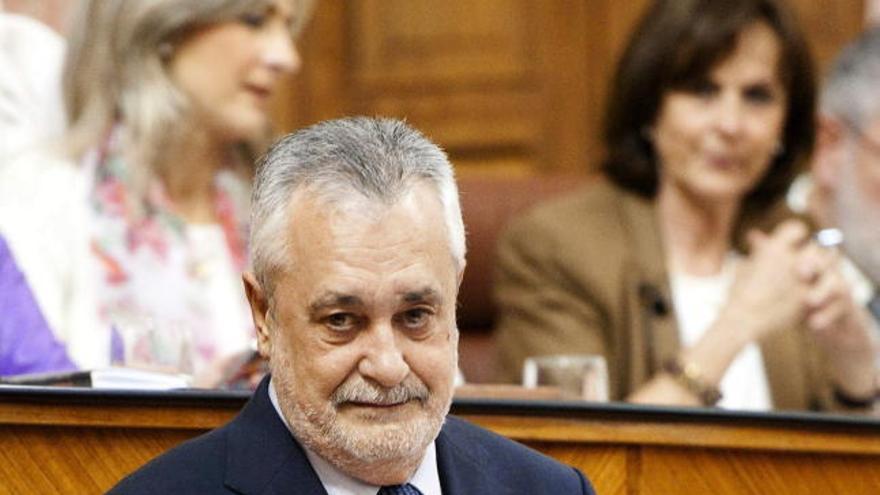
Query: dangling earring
x=165 y=50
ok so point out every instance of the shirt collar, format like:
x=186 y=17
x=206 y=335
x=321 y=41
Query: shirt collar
x=426 y=478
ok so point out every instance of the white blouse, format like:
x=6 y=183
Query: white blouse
x=698 y=301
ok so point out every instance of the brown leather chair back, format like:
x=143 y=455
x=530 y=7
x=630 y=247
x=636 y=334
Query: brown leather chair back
x=488 y=203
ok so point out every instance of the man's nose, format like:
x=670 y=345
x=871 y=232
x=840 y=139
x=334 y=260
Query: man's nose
x=383 y=359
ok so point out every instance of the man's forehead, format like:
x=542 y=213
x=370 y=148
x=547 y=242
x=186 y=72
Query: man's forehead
x=870 y=136
x=346 y=242
x=362 y=296
x=346 y=213
x=873 y=126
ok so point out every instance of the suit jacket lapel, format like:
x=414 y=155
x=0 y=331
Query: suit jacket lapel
x=461 y=464
x=262 y=456
x=650 y=284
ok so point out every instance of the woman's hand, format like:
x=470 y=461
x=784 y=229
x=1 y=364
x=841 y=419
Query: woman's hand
x=767 y=294
x=785 y=281
x=769 y=291
x=841 y=326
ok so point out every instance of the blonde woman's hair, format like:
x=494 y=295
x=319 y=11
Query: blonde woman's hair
x=116 y=67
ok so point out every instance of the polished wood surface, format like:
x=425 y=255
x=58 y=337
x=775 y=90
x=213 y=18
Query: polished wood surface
x=83 y=441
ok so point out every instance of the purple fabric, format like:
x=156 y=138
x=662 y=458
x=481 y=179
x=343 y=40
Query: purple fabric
x=27 y=344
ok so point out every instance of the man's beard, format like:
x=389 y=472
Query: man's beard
x=352 y=447
x=859 y=219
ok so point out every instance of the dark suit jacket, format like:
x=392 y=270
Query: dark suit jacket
x=255 y=453
x=586 y=274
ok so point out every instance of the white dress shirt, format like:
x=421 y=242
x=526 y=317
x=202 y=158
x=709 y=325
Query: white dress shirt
x=426 y=477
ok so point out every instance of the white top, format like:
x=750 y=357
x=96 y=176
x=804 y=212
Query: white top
x=426 y=477
x=222 y=285
x=31 y=107
x=44 y=217
x=697 y=302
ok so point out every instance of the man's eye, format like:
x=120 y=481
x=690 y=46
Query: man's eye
x=341 y=322
x=415 y=318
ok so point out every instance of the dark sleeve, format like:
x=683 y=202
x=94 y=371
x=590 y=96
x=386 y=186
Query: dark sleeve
x=586 y=487
x=193 y=467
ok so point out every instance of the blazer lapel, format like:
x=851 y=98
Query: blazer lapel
x=649 y=283
x=262 y=456
x=785 y=358
x=461 y=463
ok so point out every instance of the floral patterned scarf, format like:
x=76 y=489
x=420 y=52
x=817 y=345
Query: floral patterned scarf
x=157 y=283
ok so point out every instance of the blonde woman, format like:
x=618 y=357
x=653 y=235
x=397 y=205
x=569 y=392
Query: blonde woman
x=134 y=240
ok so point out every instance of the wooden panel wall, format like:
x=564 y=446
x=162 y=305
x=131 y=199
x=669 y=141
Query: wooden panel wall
x=830 y=24
x=506 y=86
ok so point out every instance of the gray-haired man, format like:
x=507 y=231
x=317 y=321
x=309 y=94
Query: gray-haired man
x=846 y=168
x=358 y=251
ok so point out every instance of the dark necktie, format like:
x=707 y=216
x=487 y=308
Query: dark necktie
x=406 y=489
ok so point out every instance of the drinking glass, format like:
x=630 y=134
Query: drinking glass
x=577 y=376
x=148 y=342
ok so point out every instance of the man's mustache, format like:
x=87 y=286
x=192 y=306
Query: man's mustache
x=357 y=389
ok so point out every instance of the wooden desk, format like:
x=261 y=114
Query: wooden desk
x=83 y=441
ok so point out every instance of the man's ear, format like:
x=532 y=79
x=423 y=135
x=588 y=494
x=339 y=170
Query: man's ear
x=259 y=303
x=829 y=155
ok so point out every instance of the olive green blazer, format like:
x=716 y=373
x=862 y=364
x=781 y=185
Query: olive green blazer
x=585 y=273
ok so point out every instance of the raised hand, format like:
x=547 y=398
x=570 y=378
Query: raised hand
x=840 y=325
x=769 y=292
